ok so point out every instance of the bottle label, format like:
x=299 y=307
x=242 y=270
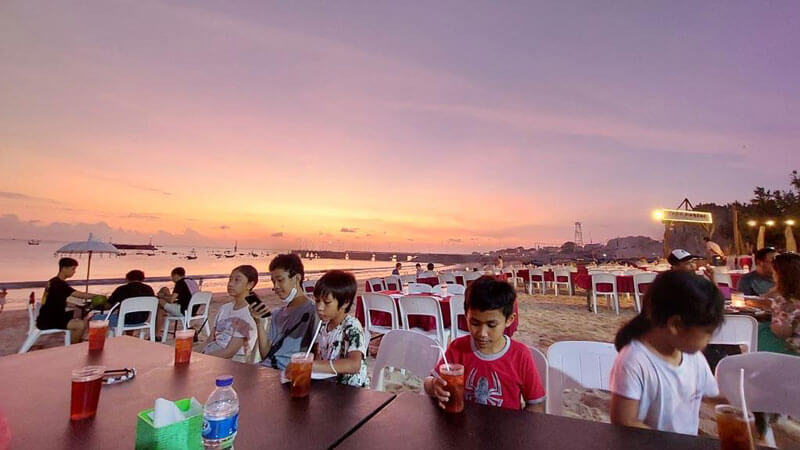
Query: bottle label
x=220 y=428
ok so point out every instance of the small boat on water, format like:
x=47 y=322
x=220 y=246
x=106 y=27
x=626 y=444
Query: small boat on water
x=33 y=242
x=192 y=255
x=254 y=254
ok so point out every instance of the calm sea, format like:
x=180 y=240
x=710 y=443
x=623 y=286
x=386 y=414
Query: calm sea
x=22 y=262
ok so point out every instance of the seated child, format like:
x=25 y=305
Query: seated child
x=660 y=376
x=498 y=370
x=234 y=331
x=341 y=346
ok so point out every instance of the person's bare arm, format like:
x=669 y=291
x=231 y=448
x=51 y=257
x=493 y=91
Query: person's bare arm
x=625 y=411
x=351 y=364
x=256 y=311
x=535 y=407
x=228 y=352
x=82 y=295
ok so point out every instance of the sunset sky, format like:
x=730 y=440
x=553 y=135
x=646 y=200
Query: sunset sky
x=452 y=126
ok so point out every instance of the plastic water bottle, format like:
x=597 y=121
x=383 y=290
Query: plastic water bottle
x=221 y=415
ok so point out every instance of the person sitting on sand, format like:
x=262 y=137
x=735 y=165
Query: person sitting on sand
x=53 y=313
x=234 y=331
x=175 y=303
x=498 y=371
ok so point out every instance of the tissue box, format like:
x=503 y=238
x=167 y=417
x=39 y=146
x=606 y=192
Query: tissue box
x=187 y=434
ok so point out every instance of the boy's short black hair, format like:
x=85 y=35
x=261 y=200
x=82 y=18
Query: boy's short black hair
x=398 y=265
x=418 y=265
x=761 y=254
x=66 y=262
x=179 y=271
x=135 y=275
x=706 y=238
x=430 y=266
x=289 y=262
x=340 y=284
x=487 y=293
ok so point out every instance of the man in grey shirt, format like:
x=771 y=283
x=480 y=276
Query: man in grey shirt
x=759 y=281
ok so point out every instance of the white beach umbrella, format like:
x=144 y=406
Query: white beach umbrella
x=89 y=246
x=791 y=244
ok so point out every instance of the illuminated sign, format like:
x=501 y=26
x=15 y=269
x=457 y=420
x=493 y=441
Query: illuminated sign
x=681 y=215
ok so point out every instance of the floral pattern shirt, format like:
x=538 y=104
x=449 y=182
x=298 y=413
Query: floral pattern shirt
x=787 y=312
x=335 y=344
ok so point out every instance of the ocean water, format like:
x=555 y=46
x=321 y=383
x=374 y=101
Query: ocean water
x=22 y=262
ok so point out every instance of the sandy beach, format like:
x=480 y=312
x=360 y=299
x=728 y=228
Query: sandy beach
x=544 y=319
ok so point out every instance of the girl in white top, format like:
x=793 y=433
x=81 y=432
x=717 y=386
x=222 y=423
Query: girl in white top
x=234 y=333
x=660 y=376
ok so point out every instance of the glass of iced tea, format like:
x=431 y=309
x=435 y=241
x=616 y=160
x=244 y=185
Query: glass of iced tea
x=97 y=334
x=183 y=346
x=299 y=374
x=454 y=376
x=86 y=383
x=735 y=431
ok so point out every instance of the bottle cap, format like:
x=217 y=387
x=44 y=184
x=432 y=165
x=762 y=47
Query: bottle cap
x=224 y=380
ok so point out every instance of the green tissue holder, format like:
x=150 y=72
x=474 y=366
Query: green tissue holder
x=186 y=434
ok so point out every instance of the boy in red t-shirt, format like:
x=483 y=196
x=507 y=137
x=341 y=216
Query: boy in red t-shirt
x=498 y=371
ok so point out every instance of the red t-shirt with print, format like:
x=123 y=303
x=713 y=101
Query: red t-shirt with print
x=499 y=379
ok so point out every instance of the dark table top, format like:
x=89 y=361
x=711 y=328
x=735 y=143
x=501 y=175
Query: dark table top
x=35 y=398
x=414 y=421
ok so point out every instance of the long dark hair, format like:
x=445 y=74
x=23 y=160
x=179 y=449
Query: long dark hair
x=675 y=293
x=787 y=265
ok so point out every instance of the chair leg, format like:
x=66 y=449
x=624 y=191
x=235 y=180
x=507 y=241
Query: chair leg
x=594 y=301
x=29 y=341
x=67 y=338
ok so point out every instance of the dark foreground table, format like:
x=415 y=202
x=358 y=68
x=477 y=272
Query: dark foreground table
x=413 y=421
x=35 y=398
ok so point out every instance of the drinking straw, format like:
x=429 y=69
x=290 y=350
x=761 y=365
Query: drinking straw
x=744 y=407
x=441 y=350
x=314 y=339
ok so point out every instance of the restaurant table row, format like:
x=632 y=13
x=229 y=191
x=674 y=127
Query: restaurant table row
x=35 y=397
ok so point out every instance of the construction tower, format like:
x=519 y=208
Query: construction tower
x=578 y=234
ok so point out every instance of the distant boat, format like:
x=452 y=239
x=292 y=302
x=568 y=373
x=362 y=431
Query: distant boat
x=192 y=255
x=254 y=254
x=33 y=242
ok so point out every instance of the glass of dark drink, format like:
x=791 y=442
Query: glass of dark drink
x=299 y=374
x=86 y=383
x=453 y=374
x=183 y=346
x=97 y=334
x=734 y=430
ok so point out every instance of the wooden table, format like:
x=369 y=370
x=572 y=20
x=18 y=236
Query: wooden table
x=35 y=398
x=412 y=421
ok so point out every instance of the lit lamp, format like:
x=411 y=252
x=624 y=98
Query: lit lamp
x=658 y=215
x=790 y=222
x=769 y=223
x=752 y=223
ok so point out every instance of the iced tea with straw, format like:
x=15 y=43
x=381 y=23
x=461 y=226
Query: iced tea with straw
x=299 y=374
x=453 y=374
x=86 y=384
x=97 y=334
x=183 y=346
x=735 y=432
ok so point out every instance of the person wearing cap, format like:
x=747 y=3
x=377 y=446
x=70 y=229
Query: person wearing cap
x=759 y=281
x=682 y=260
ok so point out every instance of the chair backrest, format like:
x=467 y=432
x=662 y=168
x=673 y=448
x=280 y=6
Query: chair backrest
x=644 y=278
x=471 y=276
x=308 y=287
x=378 y=302
x=447 y=278
x=604 y=278
x=405 y=350
x=577 y=364
x=723 y=279
x=431 y=281
x=456 y=309
x=537 y=275
x=136 y=304
x=562 y=275
x=375 y=284
x=420 y=305
x=456 y=289
x=542 y=367
x=437 y=290
x=737 y=330
x=199 y=298
x=419 y=288
x=768 y=383
x=408 y=278
x=392 y=283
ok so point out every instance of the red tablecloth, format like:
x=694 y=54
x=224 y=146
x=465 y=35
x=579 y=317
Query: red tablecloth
x=425 y=322
x=430 y=281
x=624 y=283
x=735 y=277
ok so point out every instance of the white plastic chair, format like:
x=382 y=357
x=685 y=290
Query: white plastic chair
x=447 y=278
x=419 y=288
x=199 y=298
x=471 y=276
x=456 y=289
x=406 y=350
x=542 y=367
x=536 y=279
x=418 y=305
x=456 y=309
x=308 y=288
x=406 y=279
x=577 y=364
x=723 y=279
x=378 y=302
x=136 y=304
x=376 y=284
x=768 y=381
x=737 y=330
x=639 y=279
x=605 y=278
x=392 y=283
x=34 y=333
x=559 y=276
x=457 y=274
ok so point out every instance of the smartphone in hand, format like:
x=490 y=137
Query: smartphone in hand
x=254 y=301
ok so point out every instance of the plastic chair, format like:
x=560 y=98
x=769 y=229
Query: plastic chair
x=418 y=305
x=308 y=288
x=419 y=288
x=536 y=278
x=768 y=381
x=447 y=278
x=737 y=330
x=378 y=302
x=136 y=304
x=254 y=357
x=456 y=289
x=644 y=278
x=456 y=309
x=432 y=280
x=405 y=279
x=723 y=279
x=602 y=278
x=200 y=298
x=542 y=367
x=562 y=277
x=406 y=350
x=375 y=284
x=577 y=364
x=471 y=276
x=459 y=276
x=392 y=283
x=34 y=333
